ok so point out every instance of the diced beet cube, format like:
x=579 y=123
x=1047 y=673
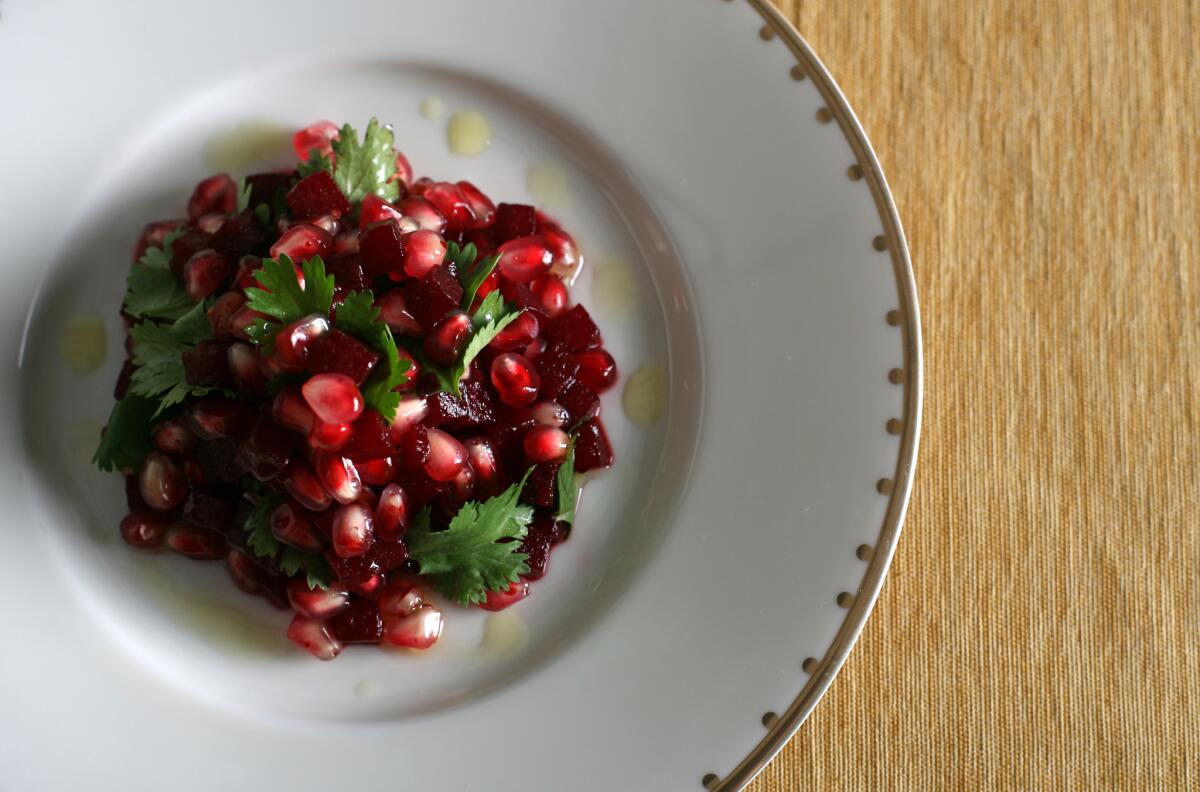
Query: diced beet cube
x=478 y=400
x=444 y=408
x=209 y=510
x=414 y=448
x=317 y=195
x=206 y=365
x=191 y=242
x=218 y=460
x=264 y=187
x=390 y=555
x=472 y=408
x=369 y=439
x=536 y=545
x=430 y=298
x=338 y=352
x=482 y=242
x=508 y=435
x=360 y=622
x=558 y=370
x=420 y=489
x=133 y=493
x=351 y=571
x=574 y=329
x=592 y=450
x=347 y=271
x=268 y=449
x=541 y=487
x=239 y=235
x=580 y=401
x=123 y=380
x=513 y=221
x=521 y=297
x=382 y=249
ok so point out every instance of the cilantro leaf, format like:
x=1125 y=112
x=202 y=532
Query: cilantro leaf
x=153 y=290
x=475 y=278
x=317 y=161
x=467 y=560
x=315 y=568
x=261 y=542
x=568 y=492
x=126 y=439
x=367 y=167
x=279 y=293
x=359 y=316
x=158 y=354
x=492 y=317
x=263 y=213
x=243 y=195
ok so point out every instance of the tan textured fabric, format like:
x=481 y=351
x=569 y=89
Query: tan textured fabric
x=1040 y=628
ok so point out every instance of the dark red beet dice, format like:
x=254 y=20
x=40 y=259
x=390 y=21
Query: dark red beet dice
x=513 y=221
x=419 y=488
x=581 y=402
x=240 y=235
x=389 y=555
x=473 y=407
x=268 y=449
x=347 y=271
x=574 y=329
x=382 y=249
x=414 y=448
x=218 y=460
x=317 y=195
x=351 y=571
x=521 y=297
x=369 y=438
x=264 y=187
x=360 y=622
x=592 y=450
x=537 y=545
x=558 y=370
x=338 y=352
x=430 y=298
x=209 y=510
x=206 y=365
x=540 y=488
x=508 y=435
x=189 y=244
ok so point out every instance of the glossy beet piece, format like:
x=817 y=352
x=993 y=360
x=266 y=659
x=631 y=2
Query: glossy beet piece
x=189 y=244
x=239 y=235
x=472 y=407
x=217 y=460
x=430 y=298
x=537 y=544
x=361 y=622
x=211 y=510
x=580 y=401
x=265 y=187
x=574 y=330
x=206 y=365
x=508 y=433
x=382 y=249
x=541 y=487
x=558 y=369
x=216 y=194
x=268 y=449
x=347 y=271
x=514 y=221
x=390 y=555
x=338 y=352
x=592 y=449
x=317 y=195
x=352 y=571
x=369 y=438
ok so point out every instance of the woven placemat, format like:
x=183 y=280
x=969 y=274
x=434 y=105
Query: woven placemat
x=1040 y=628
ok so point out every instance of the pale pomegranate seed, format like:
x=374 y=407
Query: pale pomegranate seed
x=317 y=603
x=314 y=637
x=482 y=456
x=145 y=529
x=315 y=137
x=518 y=334
x=515 y=379
x=173 y=437
x=198 y=544
x=215 y=194
x=446 y=456
x=391 y=515
x=339 y=476
x=215 y=417
x=404 y=171
x=220 y=315
x=536 y=347
x=419 y=187
x=547 y=444
x=346 y=243
x=242 y=319
x=393 y=311
x=552 y=292
x=481 y=206
x=550 y=413
x=244 y=364
x=211 y=222
x=330 y=437
x=247 y=268
x=353 y=530
x=370 y=587
x=291 y=411
x=423 y=213
x=377 y=472
x=245 y=573
x=462 y=486
x=400 y=599
x=302 y=483
x=302 y=242
x=522 y=260
x=161 y=483
x=290 y=527
x=499 y=600
x=453 y=205
x=410 y=412
x=204 y=273
x=424 y=251
x=418 y=630
x=565 y=259
x=329 y=224
x=293 y=340
x=412 y=370
x=448 y=337
x=333 y=397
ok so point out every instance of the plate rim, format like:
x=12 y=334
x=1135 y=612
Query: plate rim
x=781 y=728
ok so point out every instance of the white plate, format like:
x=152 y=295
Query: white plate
x=739 y=234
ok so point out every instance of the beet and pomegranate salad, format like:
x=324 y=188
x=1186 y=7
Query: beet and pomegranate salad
x=353 y=388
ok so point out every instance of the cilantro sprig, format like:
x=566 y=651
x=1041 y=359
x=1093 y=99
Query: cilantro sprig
x=358 y=315
x=359 y=168
x=158 y=354
x=261 y=542
x=153 y=290
x=568 y=490
x=126 y=440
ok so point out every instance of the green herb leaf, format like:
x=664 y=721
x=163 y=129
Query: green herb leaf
x=263 y=213
x=568 y=491
x=280 y=294
x=261 y=542
x=243 y=195
x=158 y=354
x=154 y=291
x=467 y=560
x=314 y=567
x=488 y=321
x=475 y=278
x=126 y=439
x=317 y=161
x=367 y=167
x=359 y=316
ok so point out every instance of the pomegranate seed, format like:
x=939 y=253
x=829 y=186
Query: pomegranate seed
x=400 y=599
x=173 y=436
x=462 y=486
x=420 y=186
x=453 y=205
x=482 y=457
x=242 y=319
x=552 y=292
x=518 y=334
x=404 y=171
x=289 y=526
x=317 y=603
x=423 y=213
x=346 y=243
x=370 y=587
x=550 y=413
x=302 y=483
x=329 y=224
x=377 y=472
x=425 y=251
x=565 y=259
x=339 y=476
x=375 y=210
x=145 y=529
x=412 y=370
x=161 y=484
x=316 y=195
x=448 y=337
x=244 y=571
x=515 y=379
x=216 y=417
x=315 y=137
x=391 y=515
x=204 y=273
x=330 y=437
x=489 y=285
x=247 y=270
x=153 y=235
x=244 y=365
x=410 y=412
x=302 y=242
x=333 y=397
x=293 y=340
x=597 y=369
x=499 y=600
x=221 y=314
x=353 y=530
x=314 y=637
x=547 y=444
x=536 y=347
x=418 y=630
x=522 y=260
x=215 y=194
x=394 y=313
x=291 y=411
x=211 y=223
x=481 y=206
x=198 y=544
x=446 y=456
